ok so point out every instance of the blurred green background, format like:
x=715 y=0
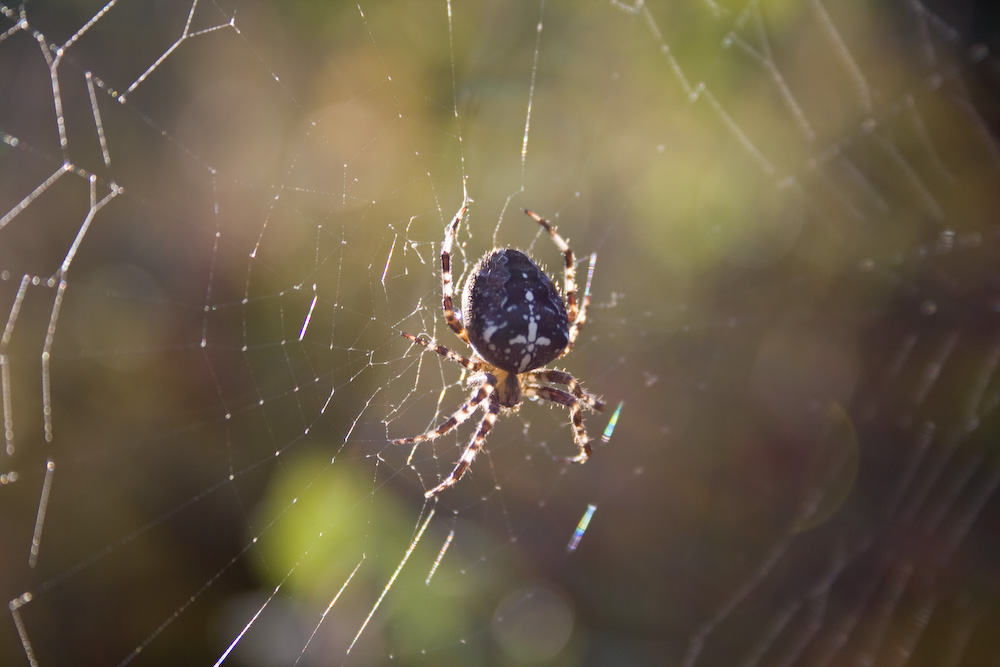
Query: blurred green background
x=793 y=206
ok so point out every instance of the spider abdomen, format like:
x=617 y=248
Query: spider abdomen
x=512 y=312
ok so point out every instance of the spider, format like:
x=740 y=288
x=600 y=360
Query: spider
x=515 y=322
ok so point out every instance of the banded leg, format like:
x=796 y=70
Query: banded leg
x=464 y=412
x=581 y=317
x=473 y=448
x=569 y=270
x=443 y=351
x=447 y=285
x=588 y=400
x=559 y=396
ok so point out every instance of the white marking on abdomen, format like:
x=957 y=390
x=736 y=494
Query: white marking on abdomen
x=525 y=360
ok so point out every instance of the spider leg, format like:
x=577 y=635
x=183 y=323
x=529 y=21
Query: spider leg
x=443 y=351
x=588 y=400
x=447 y=285
x=569 y=271
x=581 y=317
x=559 y=396
x=475 y=445
x=459 y=416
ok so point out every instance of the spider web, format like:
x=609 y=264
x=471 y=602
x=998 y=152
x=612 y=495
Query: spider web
x=216 y=217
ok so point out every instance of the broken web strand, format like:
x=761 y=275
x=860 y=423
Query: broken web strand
x=610 y=428
x=328 y=608
x=531 y=92
x=581 y=528
x=22 y=631
x=8 y=408
x=440 y=556
x=43 y=503
x=392 y=579
x=454 y=102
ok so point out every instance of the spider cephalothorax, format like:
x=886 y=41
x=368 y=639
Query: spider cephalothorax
x=516 y=322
